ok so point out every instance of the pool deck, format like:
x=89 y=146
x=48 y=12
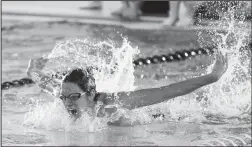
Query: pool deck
x=70 y=11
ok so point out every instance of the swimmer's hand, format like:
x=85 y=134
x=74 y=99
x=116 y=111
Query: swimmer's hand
x=220 y=66
x=36 y=64
x=43 y=80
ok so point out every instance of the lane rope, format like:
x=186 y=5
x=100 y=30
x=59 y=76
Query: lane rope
x=157 y=59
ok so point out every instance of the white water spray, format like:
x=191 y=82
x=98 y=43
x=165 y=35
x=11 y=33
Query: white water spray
x=112 y=69
x=231 y=95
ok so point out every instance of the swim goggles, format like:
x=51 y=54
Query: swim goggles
x=73 y=96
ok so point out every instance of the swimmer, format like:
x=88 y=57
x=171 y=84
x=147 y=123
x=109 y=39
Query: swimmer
x=77 y=90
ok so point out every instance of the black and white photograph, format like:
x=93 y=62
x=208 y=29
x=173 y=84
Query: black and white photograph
x=126 y=73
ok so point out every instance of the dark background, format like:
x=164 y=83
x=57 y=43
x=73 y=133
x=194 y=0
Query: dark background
x=160 y=9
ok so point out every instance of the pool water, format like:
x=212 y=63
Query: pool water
x=22 y=40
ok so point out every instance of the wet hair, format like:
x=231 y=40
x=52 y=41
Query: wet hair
x=82 y=78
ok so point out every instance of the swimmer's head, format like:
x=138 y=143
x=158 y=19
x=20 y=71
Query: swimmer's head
x=78 y=91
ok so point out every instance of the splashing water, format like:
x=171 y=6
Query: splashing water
x=110 y=65
x=53 y=116
x=229 y=97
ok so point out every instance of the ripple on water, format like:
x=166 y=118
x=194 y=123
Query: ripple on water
x=21 y=139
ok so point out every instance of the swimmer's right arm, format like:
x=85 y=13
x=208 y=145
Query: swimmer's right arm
x=45 y=82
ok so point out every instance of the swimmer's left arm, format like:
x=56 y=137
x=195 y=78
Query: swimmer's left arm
x=145 y=97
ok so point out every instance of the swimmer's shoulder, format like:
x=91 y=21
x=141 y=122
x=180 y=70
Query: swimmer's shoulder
x=106 y=98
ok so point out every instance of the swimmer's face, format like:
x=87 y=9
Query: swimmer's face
x=75 y=99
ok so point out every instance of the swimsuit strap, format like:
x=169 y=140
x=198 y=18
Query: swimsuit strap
x=96 y=97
